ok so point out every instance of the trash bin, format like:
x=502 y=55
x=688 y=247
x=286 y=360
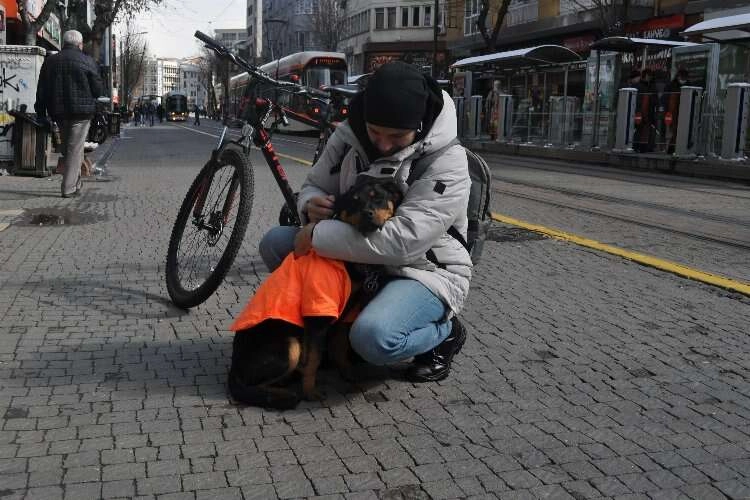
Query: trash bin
x=114 y=123
x=30 y=144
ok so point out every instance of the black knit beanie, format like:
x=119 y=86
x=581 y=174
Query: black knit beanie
x=396 y=96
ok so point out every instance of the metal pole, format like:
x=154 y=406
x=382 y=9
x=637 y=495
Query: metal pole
x=565 y=107
x=435 y=41
x=595 y=125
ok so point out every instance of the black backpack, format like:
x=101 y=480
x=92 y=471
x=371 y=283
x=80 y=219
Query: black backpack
x=478 y=210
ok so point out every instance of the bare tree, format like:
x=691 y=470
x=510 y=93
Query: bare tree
x=612 y=14
x=328 y=23
x=500 y=10
x=32 y=25
x=209 y=66
x=107 y=11
x=134 y=51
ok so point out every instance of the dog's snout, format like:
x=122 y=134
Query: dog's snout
x=370 y=214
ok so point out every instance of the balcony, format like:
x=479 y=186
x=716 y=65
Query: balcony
x=575 y=6
x=522 y=12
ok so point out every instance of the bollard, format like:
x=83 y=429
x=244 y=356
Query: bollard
x=687 y=127
x=625 y=129
x=735 y=121
x=460 y=115
x=505 y=118
x=474 y=117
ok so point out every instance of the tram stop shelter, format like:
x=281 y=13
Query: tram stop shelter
x=723 y=60
x=530 y=75
x=722 y=29
x=607 y=54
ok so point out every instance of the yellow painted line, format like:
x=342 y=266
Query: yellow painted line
x=11 y=213
x=4 y=226
x=647 y=260
x=280 y=155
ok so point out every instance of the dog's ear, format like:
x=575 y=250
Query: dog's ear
x=394 y=191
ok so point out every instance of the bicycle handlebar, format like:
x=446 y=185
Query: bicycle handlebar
x=223 y=52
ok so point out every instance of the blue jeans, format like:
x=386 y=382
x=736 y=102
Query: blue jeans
x=404 y=319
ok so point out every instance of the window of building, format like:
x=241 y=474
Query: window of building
x=304 y=7
x=415 y=16
x=391 y=17
x=379 y=18
x=427 y=9
x=404 y=17
x=301 y=40
x=471 y=14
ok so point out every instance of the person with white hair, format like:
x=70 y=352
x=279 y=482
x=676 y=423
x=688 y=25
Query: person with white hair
x=69 y=84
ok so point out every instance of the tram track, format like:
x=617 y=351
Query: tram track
x=626 y=201
x=639 y=178
x=736 y=243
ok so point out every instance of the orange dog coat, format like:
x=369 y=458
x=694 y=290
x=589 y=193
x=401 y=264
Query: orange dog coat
x=310 y=285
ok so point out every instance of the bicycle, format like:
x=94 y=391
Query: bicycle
x=99 y=129
x=218 y=204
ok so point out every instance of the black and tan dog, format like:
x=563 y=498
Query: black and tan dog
x=265 y=356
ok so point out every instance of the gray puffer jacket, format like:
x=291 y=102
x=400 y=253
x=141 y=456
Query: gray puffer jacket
x=432 y=204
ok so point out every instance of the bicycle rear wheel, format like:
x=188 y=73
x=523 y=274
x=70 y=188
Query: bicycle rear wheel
x=210 y=227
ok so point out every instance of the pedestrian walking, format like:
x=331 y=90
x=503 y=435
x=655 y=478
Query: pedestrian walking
x=197 y=115
x=151 y=113
x=401 y=116
x=136 y=115
x=69 y=84
x=160 y=112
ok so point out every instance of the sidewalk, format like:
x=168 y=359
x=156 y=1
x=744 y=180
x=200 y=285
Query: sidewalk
x=584 y=376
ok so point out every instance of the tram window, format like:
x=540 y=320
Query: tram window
x=317 y=77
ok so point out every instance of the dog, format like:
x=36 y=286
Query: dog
x=266 y=355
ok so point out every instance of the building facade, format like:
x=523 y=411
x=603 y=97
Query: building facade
x=288 y=27
x=377 y=32
x=191 y=85
x=254 y=29
x=168 y=73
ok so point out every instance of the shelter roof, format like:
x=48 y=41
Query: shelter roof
x=532 y=56
x=723 y=28
x=626 y=44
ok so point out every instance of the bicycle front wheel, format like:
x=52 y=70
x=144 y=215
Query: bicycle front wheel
x=210 y=227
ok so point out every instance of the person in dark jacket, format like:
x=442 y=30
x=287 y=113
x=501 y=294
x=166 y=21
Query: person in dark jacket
x=69 y=84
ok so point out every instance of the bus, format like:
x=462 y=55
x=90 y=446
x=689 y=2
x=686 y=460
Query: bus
x=175 y=106
x=312 y=69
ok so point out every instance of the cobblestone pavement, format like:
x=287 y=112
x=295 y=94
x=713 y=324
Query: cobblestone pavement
x=585 y=376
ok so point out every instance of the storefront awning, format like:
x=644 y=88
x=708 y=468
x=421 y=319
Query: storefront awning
x=543 y=54
x=626 y=44
x=722 y=28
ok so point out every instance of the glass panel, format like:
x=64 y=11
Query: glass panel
x=379 y=18
x=415 y=16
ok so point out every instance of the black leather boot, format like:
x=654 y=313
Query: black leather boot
x=435 y=364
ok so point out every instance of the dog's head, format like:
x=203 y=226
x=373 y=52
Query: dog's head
x=369 y=203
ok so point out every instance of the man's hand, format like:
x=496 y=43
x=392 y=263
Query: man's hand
x=320 y=208
x=303 y=240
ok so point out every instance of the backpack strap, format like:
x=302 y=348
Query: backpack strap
x=421 y=164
